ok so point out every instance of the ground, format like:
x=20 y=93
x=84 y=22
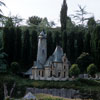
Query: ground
x=22 y=83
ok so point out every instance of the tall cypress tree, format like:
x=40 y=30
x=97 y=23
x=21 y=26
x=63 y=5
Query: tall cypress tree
x=72 y=46
x=11 y=44
x=18 y=44
x=6 y=39
x=49 y=43
x=63 y=16
x=64 y=41
x=34 y=42
x=80 y=43
x=26 y=49
x=87 y=43
x=57 y=39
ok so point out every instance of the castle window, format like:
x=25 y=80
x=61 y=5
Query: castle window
x=64 y=74
x=42 y=74
x=43 y=51
x=39 y=73
x=64 y=67
x=50 y=73
x=64 y=59
x=59 y=74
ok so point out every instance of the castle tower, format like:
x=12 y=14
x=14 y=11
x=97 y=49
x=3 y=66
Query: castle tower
x=42 y=48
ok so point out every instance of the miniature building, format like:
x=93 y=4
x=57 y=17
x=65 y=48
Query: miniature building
x=54 y=68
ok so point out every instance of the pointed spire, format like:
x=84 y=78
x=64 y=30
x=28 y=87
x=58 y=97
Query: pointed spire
x=64 y=2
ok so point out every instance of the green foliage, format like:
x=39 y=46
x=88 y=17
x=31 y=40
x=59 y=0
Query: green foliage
x=63 y=16
x=9 y=22
x=34 y=20
x=18 y=45
x=49 y=44
x=88 y=43
x=44 y=24
x=91 y=24
x=83 y=61
x=34 y=44
x=92 y=69
x=15 y=67
x=95 y=38
x=1 y=4
x=57 y=38
x=3 y=62
x=71 y=46
x=64 y=41
x=74 y=70
x=80 y=43
x=26 y=48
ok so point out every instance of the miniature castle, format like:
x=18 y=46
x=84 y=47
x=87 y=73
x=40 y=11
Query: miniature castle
x=54 y=68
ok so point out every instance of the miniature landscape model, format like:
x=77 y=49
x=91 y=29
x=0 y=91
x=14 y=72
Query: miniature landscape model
x=41 y=60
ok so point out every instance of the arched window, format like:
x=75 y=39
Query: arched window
x=64 y=74
x=50 y=73
x=42 y=73
x=39 y=73
x=64 y=67
x=43 y=51
x=59 y=74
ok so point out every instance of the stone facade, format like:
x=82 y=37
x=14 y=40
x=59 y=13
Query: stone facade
x=54 y=68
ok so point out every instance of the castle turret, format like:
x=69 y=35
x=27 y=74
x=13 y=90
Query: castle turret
x=42 y=48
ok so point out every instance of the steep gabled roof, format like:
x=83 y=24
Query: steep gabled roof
x=58 y=54
x=56 y=57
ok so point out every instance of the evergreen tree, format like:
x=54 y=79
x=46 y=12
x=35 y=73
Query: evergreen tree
x=26 y=49
x=98 y=59
x=49 y=43
x=80 y=43
x=72 y=46
x=57 y=39
x=95 y=38
x=9 y=39
x=91 y=25
x=11 y=42
x=88 y=43
x=6 y=39
x=83 y=61
x=34 y=42
x=18 y=44
x=63 y=16
x=64 y=41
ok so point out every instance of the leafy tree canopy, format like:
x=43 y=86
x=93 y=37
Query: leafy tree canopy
x=74 y=70
x=83 y=61
x=35 y=20
x=92 y=69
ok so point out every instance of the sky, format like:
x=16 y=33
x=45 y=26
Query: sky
x=48 y=8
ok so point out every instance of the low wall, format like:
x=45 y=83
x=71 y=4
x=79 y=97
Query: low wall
x=66 y=93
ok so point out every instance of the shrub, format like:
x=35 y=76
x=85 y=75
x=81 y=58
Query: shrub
x=92 y=69
x=74 y=70
x=15 y=67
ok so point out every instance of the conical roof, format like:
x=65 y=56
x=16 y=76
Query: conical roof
x=58 y=53
x=56 y=57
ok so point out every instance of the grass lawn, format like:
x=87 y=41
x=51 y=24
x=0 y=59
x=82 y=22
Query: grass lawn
x=50 y=97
